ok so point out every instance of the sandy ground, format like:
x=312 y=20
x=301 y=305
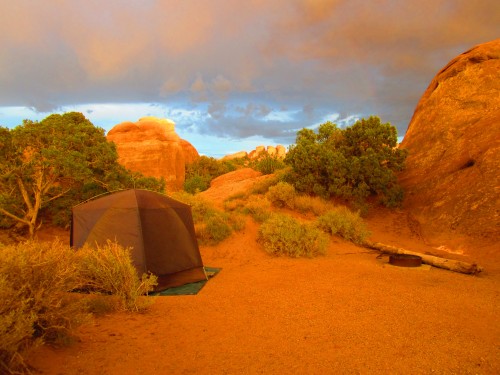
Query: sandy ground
x=348 y=312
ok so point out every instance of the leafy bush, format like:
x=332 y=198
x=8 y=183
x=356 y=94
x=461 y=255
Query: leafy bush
x=282 y=195
x=351 y=163
x=268 y=164
x=35 y=305
x=345 y=223
x=108 y=269
x=283 y=235
x=196 y=184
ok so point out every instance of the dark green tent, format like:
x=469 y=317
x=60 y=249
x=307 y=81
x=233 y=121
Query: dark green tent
x=159 y=230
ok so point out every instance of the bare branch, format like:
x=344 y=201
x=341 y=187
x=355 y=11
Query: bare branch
x=12 y=216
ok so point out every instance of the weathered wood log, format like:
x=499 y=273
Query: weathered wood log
x=447 y=264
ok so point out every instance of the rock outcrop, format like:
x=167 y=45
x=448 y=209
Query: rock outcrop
x=452 y=177
x=279 y=151
x=151 y=146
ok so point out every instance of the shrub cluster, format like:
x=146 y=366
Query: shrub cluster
x=345 y=223
x=352 y=163
x=36 y=303
x=283 y=235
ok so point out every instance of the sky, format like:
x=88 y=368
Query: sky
x=232 y=74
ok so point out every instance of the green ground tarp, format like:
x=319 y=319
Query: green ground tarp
x=191 y=288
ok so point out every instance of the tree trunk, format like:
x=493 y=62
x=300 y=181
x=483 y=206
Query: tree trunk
x=447 y=264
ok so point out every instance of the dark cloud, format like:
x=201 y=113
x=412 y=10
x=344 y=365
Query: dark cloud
x=240 y=63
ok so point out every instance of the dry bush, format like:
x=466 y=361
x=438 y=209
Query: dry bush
x=263 y=185
x=108 y=269
x=35 y=303
x=316 y=205
x=258 y=207
x=211 y=224
x=284 y=235
x=234 y=203
x=281 y=195
x=345 y=223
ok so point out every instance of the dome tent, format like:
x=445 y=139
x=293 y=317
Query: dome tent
x=158 y=229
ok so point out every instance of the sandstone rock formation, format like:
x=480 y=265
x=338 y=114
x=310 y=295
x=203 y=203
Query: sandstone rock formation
x=452 y=177
x=151 y=146
x=279 y=151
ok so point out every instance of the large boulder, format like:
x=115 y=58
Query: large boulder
x=452 y=174
x=151 y=146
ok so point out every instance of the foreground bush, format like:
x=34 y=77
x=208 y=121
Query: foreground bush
x=35 y=305
x=108 y=269
x=283 y=235
x=345 y=223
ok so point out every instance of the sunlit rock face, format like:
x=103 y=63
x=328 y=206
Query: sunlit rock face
x=452 y=179
x=278 y=151
x=151 y=146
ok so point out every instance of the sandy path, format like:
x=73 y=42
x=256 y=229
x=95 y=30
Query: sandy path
x=347 y=312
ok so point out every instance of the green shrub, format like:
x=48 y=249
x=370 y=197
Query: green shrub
x=352 y=163
x=35 y=305
x=215 y=230
x=196 y=184
x=345 y=223
x=268 y=164
x=108 y=269
x=283 y=235
x=281 y=195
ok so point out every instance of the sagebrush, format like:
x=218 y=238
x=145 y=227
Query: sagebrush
x=345 y=223
x=212 y=225
x=39 y=302
x=35 y=303
x=108 y=269
x=283 y=235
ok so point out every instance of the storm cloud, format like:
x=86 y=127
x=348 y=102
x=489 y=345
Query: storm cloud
x=253 y=68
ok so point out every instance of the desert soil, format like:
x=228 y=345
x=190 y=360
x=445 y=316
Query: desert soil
x=348 y=312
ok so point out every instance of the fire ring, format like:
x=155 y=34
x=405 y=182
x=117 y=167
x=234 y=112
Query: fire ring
x=405 y=260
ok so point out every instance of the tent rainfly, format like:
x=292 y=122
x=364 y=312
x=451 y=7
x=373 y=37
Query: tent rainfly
x=158 y=229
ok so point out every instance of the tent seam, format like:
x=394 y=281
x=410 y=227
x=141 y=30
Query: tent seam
x=139 y=222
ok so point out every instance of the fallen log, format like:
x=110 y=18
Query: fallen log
x=447 y=264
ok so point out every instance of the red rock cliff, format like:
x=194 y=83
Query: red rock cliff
x=151 y=146
x=452 y=179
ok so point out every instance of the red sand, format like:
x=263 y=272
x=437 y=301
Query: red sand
x=346 y=312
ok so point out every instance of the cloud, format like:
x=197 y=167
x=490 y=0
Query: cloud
x=240 y=66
